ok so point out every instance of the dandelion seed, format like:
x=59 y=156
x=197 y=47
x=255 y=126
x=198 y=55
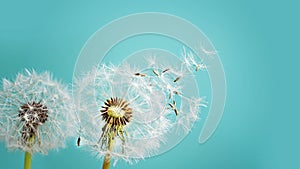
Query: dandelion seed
x=191 y=62
x=177 y=78
x=37 y=113
x=155 y=72
x=173 y=107
x=140 y=74
x=176 y=92
x=164 y=71
x=78 y=141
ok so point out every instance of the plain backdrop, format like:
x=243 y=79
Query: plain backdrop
x=257 y=41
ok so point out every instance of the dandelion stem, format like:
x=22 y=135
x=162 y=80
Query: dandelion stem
x=107 y=158
x=106 y=162
x=27 y=160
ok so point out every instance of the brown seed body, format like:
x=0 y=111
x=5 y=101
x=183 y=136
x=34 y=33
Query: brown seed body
x=178 y=78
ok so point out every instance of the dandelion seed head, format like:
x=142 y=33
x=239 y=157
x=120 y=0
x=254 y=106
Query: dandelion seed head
x=36 y=113
x=135 y=107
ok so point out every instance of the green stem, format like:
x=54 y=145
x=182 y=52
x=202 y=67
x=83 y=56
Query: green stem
x=27 y=160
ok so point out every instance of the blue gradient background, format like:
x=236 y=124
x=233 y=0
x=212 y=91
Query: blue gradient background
x=258 y=43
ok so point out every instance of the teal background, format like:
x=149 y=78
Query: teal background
x=257 y=41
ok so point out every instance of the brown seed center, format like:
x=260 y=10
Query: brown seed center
x=32 y=114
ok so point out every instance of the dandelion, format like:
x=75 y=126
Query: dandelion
x=191 y=61
x=35 y=114
x=127 y=112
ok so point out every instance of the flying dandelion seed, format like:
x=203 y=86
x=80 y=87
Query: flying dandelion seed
x=36 y=113
x=126 y=112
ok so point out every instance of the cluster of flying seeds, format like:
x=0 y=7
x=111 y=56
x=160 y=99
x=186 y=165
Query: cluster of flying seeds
x=172 y=104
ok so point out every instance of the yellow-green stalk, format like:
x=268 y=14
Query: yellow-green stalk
x=27 y=160
x=116 y=113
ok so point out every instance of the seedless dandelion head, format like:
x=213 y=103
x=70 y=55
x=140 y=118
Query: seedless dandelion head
x=36 y=113
x=116 y=111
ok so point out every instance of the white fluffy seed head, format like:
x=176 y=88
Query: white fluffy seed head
x=152 y=92
x=48 y=115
